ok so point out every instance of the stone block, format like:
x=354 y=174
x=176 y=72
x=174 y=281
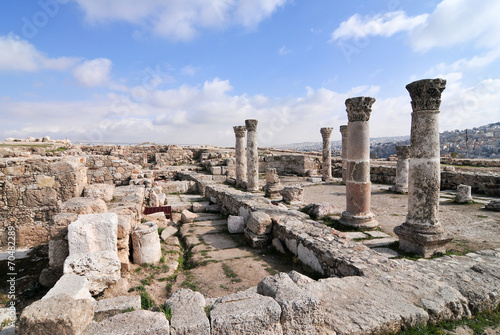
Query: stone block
x=106 y=308
x=58 y=252
x=214 y=208
x=84 y=206
x=99 y=191
x=235 y=224
x=59 y=223
x=293 y=195
x=57 y=315
x=299 y=309
x=167 y=232
x=493 y=205
x=217 y=170
x=188 y=313
x=125 y=222
x=246 y=313
x=319 y=210
x=463 y=194
x=199 y=207
x=259 y=223
x=131 y=323
x=93 y=232
x=188 y=217
x=146 y=244
x=77 y=287
x=257 y=241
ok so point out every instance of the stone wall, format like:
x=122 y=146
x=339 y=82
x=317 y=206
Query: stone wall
x=300 y=165
x=109 y=170
x=31 y=190
x=483 y=183
x=471 y=162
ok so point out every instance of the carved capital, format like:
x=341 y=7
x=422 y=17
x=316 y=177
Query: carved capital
x=403 y=151
x=343 y=130
x=359 y=109
x=326 y=132
x=251 y=125
x=426 y=94
x=240 y=131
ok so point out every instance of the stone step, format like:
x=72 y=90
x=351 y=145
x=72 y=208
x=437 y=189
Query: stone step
x=379 y=242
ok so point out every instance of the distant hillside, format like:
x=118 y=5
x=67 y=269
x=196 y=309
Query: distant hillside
x=480 y=142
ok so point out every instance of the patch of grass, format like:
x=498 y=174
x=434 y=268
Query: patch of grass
x=224 y=287
x=146 y=301
x=228 y=271
x=394 y=214
x=162 y=259
x=130 y=309
x=166 y=310
x=482 y=216
x=271 y=271
x=160 y=230
x=207 y=309
x=402 y=254
x=143 y=220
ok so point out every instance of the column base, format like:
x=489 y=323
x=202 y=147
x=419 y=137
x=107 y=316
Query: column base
x=399 y=189
x=423 y=244
x=358 y=221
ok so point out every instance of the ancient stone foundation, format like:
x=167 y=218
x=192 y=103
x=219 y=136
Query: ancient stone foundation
x=358 y=185
x=422 y=233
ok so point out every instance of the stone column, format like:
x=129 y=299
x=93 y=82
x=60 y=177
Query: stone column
x=401 y=185
x=241 y=159
x=358 y=186
x=327 y=153
x=422 y=233
x=252 y=156
x=343 y=131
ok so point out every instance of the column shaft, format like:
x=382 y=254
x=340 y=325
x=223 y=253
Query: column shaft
x=402 y=166
x=422 y=232
x=343 y=131
x=327 y=153
x=358 y=186
x=252 y=156
x=241 y=159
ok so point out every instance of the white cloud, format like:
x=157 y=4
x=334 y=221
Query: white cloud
x=474 y=63
x=386 y=25
x=284 y=51
x=180 y=19
x=455 y=22
x=20 y=55
x=93 y=72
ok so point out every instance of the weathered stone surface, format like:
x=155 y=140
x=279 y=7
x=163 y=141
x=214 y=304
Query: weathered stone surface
x=93 y=250
x=131 y=323
x=99 y=191
x=188 y=217
x=246 y=313
x=125 y=222
x=463 y=194
x=167 y=232
x=299 y=308
x=57 y=315
x=154 y=200
x=235 y=224
x=188 y=313
x=58 y=252
x=106 y=308
x=401 y=185
x=320 y=210
x=84 y=206
x=200 y=206
x=343 y=131
x=146 y=243
x=77 y=287
x=293 y=195
x=60 y=223
x=259 y=223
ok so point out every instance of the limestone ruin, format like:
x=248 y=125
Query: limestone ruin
x=192 y=229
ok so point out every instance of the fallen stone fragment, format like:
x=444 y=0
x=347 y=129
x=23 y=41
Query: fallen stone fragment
x=131 y=323
x=188 y=313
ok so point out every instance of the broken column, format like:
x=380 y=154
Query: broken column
x=326 y=132
x=422 y=233
x=358 y=186
x=403 y=153
x=241 y=162
x=464 y=194
x=343 y=131
x=273 y=185
x=146 y=243
x=252 y=156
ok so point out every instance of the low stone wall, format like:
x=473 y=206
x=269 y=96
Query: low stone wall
x=483 y=183
x=294 y=164
x=31 y=190
x=471 y=162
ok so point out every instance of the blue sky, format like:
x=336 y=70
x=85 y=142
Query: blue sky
x=187 y=71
